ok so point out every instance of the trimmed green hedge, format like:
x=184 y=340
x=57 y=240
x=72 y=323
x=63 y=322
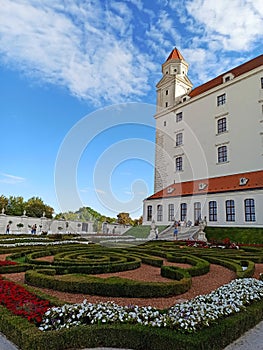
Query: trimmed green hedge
x=199 y=266
x=112 y=286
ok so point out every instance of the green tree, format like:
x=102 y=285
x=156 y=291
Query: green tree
x=15 y=206
x=137 y=222
x=3 y=202
x=124 y=219
x=35 y=207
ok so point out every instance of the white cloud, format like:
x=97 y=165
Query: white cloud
x=11 y=179
x=236 y=24
x=86 y=48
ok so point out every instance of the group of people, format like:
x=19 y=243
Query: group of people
x=33 y=229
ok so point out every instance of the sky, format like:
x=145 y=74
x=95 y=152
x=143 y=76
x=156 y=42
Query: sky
x=77 y=90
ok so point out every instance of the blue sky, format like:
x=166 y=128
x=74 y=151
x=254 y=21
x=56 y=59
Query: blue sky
x=69 y=68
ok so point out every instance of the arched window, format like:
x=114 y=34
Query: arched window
x=170 y=212
x=197 y=211
x=250 y=214
x=230 y=210
x=149 y=213
x=159 y=212
x=183 y=211
x=212 y=211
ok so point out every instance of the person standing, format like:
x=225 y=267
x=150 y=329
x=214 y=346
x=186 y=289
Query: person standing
x=176 y=230
x=7 y=229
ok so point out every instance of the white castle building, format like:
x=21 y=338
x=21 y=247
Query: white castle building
x=209 y=147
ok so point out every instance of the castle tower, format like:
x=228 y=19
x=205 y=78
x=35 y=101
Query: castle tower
x=174 y=83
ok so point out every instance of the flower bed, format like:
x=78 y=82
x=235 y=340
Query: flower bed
x=7 y=263
x=185 y=317
x=21 y=302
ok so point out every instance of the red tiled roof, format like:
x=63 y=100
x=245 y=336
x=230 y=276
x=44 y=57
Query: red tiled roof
x=243 y=68
x=251 y=180
x=175 y=54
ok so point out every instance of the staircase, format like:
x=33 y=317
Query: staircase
x=184 y=233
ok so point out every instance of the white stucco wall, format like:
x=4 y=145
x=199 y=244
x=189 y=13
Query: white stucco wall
x=220 y=198
x=244 y=113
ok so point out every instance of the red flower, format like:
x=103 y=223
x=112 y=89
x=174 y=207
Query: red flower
x=21 y=302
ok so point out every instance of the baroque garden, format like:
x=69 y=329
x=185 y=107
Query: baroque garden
x=102 y=281
x=135 y=291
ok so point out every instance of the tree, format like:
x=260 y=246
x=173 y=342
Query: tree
x=124 y=219
x=3 y=202
x=35 y=207
x=137 y=222
x=15 y=206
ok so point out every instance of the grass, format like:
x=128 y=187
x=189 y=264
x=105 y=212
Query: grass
x=239 y=235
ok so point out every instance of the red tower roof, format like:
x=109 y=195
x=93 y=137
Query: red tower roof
x=175 y=54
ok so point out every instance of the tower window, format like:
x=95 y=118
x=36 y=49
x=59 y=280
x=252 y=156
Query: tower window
x=222 y=154
x=179 y=139
x=166 y=104
x=221 y=100
x=179 y=163
x=179 y=117
x=166 y=92
x=164 y=123
x=221 y=125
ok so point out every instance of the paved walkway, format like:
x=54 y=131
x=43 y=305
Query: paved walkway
x=251 y=340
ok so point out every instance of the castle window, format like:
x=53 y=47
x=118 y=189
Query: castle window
x=221 y=100
x=179 y=117
x=164 y=123
x=166 y=92
x=149 y=212
x=183 y=211
x=250 y=210
x=227 y=79
x=178 y=163
x=230 y=210
x=166 y=104
x=261 y=83
x=179 y=139
x=197 y=211
x=221 y=125
x=212 y=211
x=170 y=212
x=159 y=212
x=222 y=154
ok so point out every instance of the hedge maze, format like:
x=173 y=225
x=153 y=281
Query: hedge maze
x=74 y=266
x=71 y=268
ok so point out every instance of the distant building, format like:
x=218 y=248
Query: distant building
x=209 y=147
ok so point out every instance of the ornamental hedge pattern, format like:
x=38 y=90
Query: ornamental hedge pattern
x=74 y=262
